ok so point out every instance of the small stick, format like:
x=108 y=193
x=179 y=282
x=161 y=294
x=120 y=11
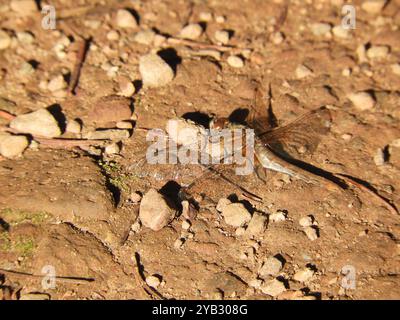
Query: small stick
x=80 y=59
x=387 y=204
x=6 y=115
x=202 y=45
x=66 y=279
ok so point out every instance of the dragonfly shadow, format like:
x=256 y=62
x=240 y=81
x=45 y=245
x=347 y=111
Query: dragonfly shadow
x=199 y=118
x=171 y=190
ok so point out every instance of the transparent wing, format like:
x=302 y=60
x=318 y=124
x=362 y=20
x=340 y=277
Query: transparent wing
x=301 y=136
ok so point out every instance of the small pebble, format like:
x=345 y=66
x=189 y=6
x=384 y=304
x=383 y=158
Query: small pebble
x=220 y=19
x=378 y=52
x=222 y=36
x=155 y=210
x=40 y=122
x=321 y=29
x=373 y=6
x=257 y=224
x=311 y=233
x=236 y=215
x=362 y=100
x=306 y=221
x=191 y=31
x=346 y=72
x=125 y=19
x=270 y=267
x=5 y=40
x=340 y=32
x=185 y=225
x=235 y=62
x=57 y=83
x=25 y=37
x=124 y=125
x=396 y=68
x=255 y=283
x=178 y=243
x=126 y=87
x=303 y=275
x=379 y=157
x=205 y=16
x=277 y=38
x=145 y=37
x=277 y=217
x=135 y=197
x=153 y=281
x=113 y=35
x=74 y=126
x=222 y=203
x=303 y=72
x=155 y=71
x=12 y=146
x=273 y=287
x=112 y=148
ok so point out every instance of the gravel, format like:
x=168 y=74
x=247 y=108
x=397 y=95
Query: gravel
x=373 y=6
x=256 y=225
x=303 y=72
x=236 y=215
x=155 y=210
x=12 y=146
x=222 y=36
x=378 y=52
x=362 y=100
x=270 y=267
x=303 y=275
x=40 y=122
x=125 y=19
x=155 y=71
x=273 y=287
x=235 y=62
x=191 y=31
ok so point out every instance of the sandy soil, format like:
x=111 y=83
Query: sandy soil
x=71 y=209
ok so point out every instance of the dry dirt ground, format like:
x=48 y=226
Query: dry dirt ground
x=71 y=209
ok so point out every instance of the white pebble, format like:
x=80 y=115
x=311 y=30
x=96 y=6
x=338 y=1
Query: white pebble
x=112 y=148
x=220 y=19
x=362 y=100
x=155 y=71
x=396 y=68
x=236 y=215
x=57 y=83
x=12 y=146
x=270 y=267
x=235 y=62
x=321 y=29
x=222 y=36
x=113 y=35
x=303 y=275
x=340 y=32
x=185 y=225
x=191 y=31
x=40 y=122
x=73 y=126
x=306 y=221
x=379 y=157
x=5 y=40
x=222 y=203
x=378 y=52
x=145 y=37
x=153 y=281
x=277 y=217
x=125 y=19
x=155 y=210
x=373 y=6
x=205 y=16
x=273 y=287
x=303 y=72
x=311 y=233
x=277 y=38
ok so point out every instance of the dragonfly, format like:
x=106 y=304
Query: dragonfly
x=273 y=147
